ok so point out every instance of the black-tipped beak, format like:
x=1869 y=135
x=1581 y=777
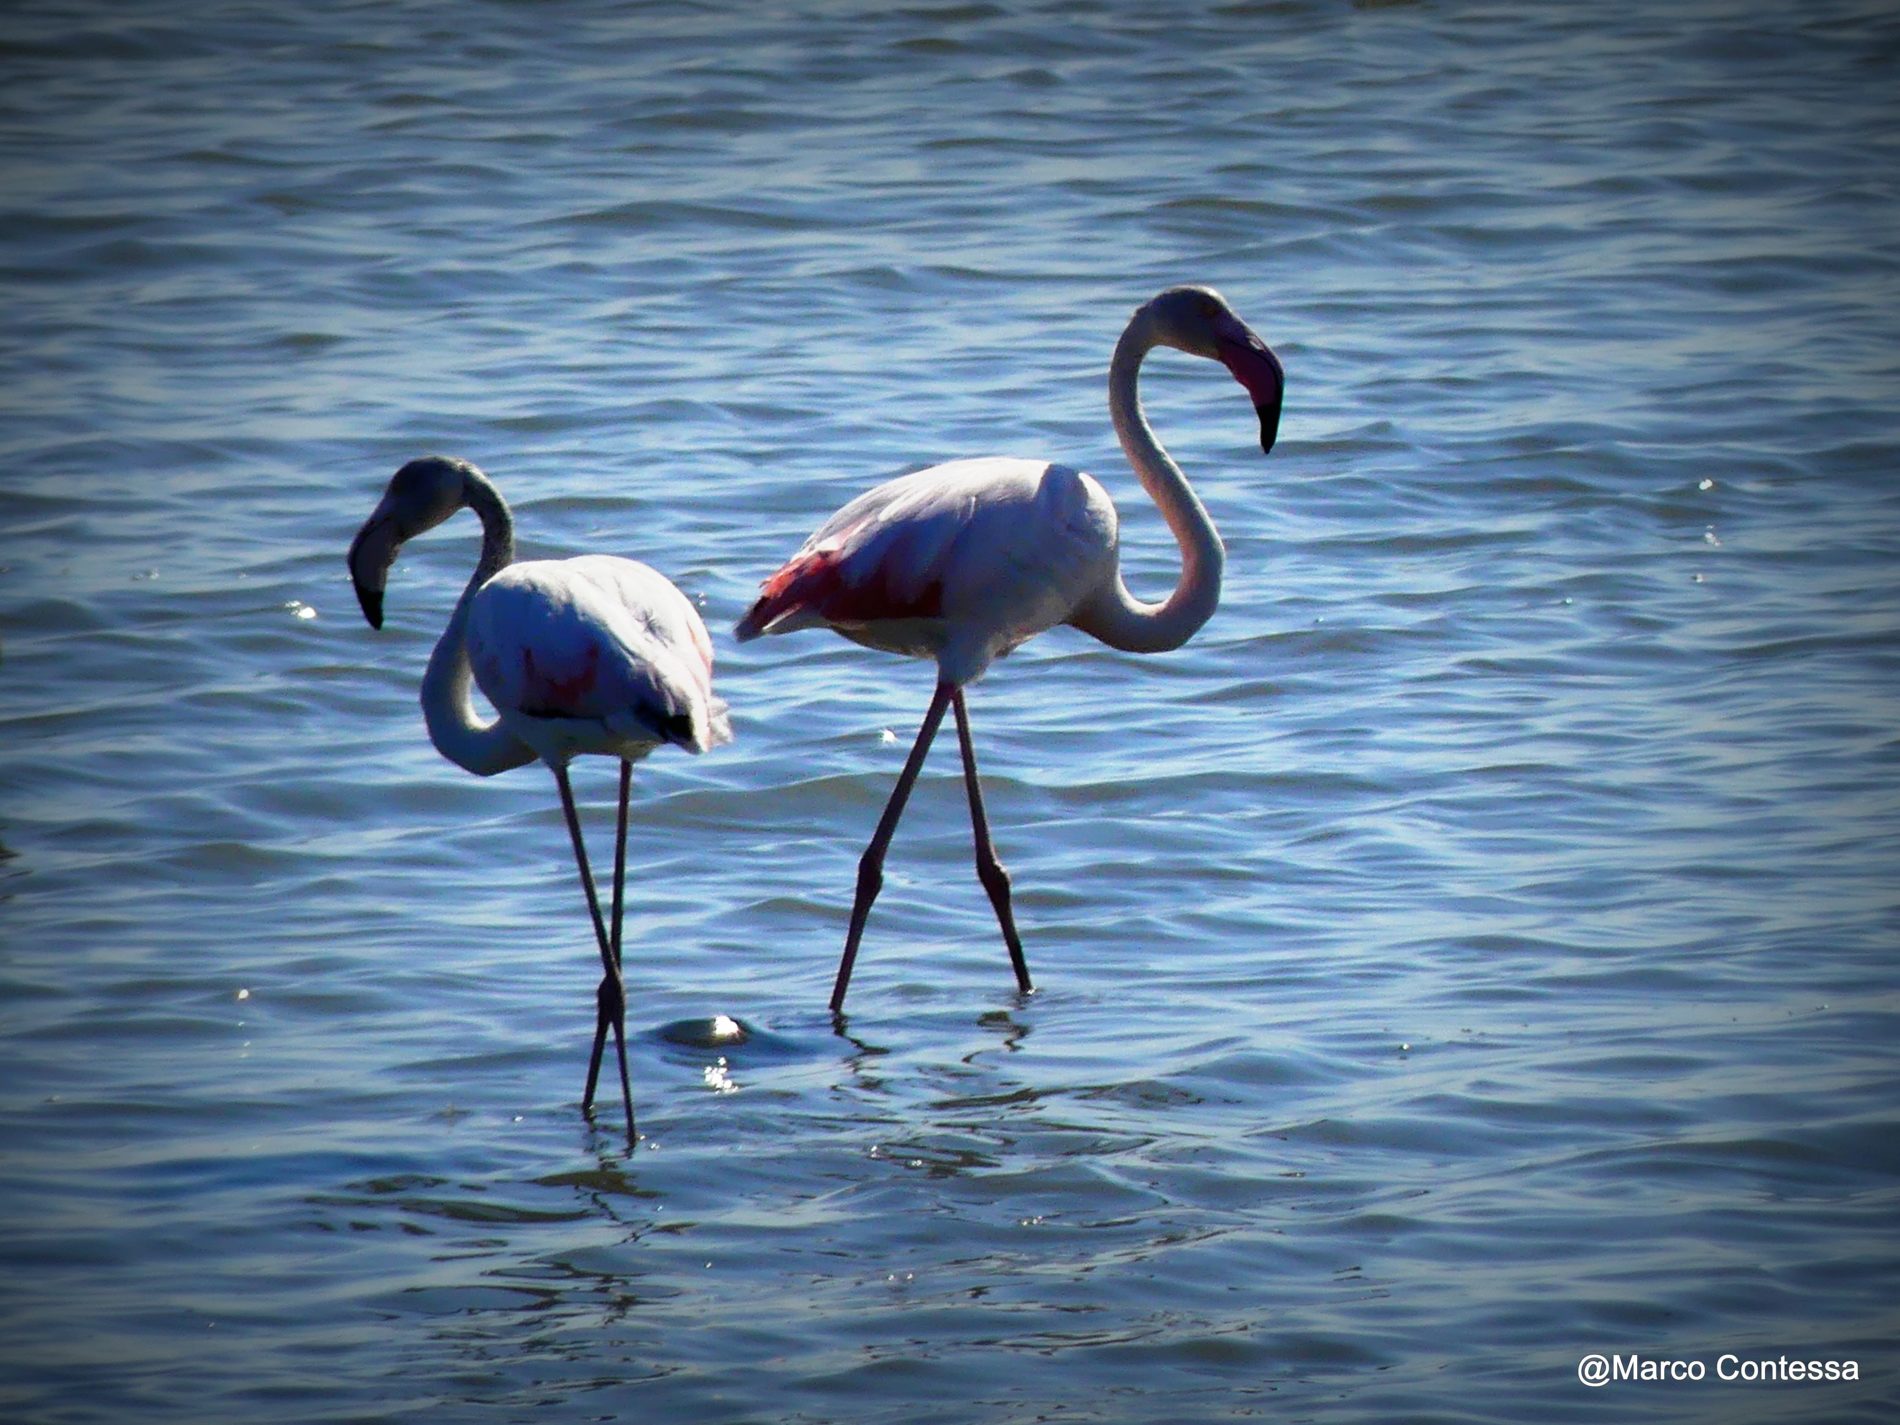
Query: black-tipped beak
x=371 y=553
x=1269 y=424
x=1256 y=368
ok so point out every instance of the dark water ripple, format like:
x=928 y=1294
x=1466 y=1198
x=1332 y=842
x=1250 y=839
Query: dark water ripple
x=1474 y=950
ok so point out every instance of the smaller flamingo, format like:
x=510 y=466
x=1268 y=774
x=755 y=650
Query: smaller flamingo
x=593 y=654
x=965 y=561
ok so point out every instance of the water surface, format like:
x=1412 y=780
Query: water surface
x=1476 y=949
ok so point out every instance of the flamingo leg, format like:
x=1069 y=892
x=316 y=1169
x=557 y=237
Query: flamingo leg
x=871 y=864
x=611 y=1007
x=611 y=999
x=989 y=870
x=620 y=854
x=604 y=998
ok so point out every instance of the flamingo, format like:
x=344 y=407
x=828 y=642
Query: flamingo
x=591 y=654
x=962 y=562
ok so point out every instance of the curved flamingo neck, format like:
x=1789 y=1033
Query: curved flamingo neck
x=1113 y=614
x=481 y=748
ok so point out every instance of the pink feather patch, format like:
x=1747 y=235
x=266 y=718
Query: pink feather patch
x=546 y=693
x=818 y=582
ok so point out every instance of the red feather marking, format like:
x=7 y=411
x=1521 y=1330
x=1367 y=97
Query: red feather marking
x=786 y=577
x=818 y=582
x=879 y=597
x=547 y=694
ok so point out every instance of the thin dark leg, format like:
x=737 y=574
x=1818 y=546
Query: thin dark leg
x=603 y=1020
x=607 y=1007
x=612 y=999
x=620 y=854
x=989 y=870
x=871 y=864
x=604 y=997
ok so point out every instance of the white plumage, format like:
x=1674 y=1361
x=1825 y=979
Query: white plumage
x=961 y=562
x=594 y=654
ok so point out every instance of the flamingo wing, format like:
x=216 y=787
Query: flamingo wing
x=597 y=639
x=1006 y=542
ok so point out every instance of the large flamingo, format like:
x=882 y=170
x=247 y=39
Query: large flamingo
x=592 y=654
x=962 y=562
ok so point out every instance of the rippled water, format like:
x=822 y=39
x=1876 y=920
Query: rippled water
x=1476 y=949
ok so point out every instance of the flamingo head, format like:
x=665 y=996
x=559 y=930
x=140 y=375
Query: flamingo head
x=420 y=496
x=1198 y=320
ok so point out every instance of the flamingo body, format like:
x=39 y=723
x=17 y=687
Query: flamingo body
x=960 y=562
x=594 y=654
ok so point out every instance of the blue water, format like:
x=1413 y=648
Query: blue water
x=1475 y=950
